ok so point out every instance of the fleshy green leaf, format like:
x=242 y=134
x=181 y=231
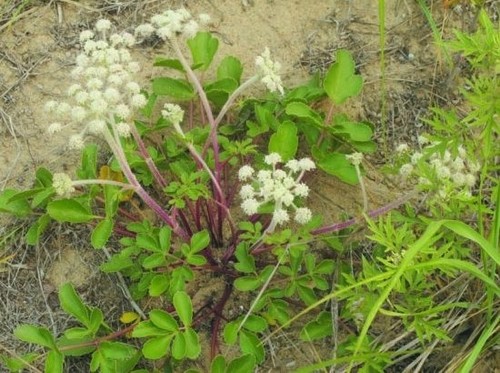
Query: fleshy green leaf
x=231 y=332
x=179 y=347
x=199 y=241
x=242 y=364
x=163 y=320
x=341 y=81
x=72 y=304
x=255 y=324
x=175 y=88
x=54 y=362
x=184 y=307
x=336 y=164
x=116 y=350
x=167 y=62
x=147 y=329
x=247 y=283
x=285 y=141
x=156 y=348
x=36 y=335
x=193 y=347
x=317 y=329
x=69 y=210
x=250 y=344
x=301 y=110
x=218 y=365
x=116 y=263
x=158 y=285
x=246 y=262
x=16 y=207
x=164 y=238
x=101 y=233
x=88 y=169
x=37 y=229
x=153 y=261
x=230 y=67
x=196 y=260
x=203 y=48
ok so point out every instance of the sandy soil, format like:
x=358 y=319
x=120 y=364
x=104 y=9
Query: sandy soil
x=37 y=48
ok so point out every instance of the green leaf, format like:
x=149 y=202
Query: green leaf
x=101 y=233
x=336 y=164
x=88 y=168
x=184 y=307
x=42 y=197
x=16 y=207
x=156 y=348
x=43 y=178
x=242 y=364
x=158 y=285
x=72 y=304
x=246 y=262
x=37 y=335
x=231 y=332
x=54 y=362
x=196 y=260
x=306 y=294
x=226 y=85
x=116 y=350
x=256 y=129
x=153 y=261
x=356 y=131
x=341 y=81
x=146 y=241
x=37 y=229
x=71 y=346
x=250 y=344
x=303 y=111
x=285 y=141
x=68 y=210
x=230 y=67
x=18 y=363
x=179 y=347
x=203 y=48
x=164 y=238
x=193 y=347
x=317 y=329
x=96 y=320
x=77 y=333
x=147 y=329
x=175 y=88
x=168 y=62
x=247 y=283
x=218 y=365
x=255 y=324
x=163 y=320
x=199 y=241
x=116 y=264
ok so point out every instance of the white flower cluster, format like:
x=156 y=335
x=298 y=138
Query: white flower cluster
x=106 y=93
x=458 y=172
x=276 y=186
x=174 y=114
x=62 y=184
x=269 y=72
x=172 y=23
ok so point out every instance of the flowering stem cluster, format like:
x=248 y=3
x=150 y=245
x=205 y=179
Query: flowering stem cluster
x=278 y=188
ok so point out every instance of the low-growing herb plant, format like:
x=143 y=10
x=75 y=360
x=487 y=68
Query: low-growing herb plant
x=226 y=178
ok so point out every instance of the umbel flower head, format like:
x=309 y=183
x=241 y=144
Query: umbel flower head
x=276 y=186
x=172 y=23
x=446 y=173
x=105 y=95
x=269 y=72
